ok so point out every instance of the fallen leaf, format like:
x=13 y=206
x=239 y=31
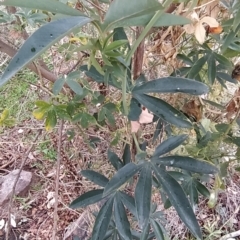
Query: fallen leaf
x=145 y=116
x=135 y=125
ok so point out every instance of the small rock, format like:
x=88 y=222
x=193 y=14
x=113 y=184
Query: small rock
x=7 y=182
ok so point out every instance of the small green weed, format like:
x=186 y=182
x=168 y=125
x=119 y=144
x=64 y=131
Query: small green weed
x=18 y=97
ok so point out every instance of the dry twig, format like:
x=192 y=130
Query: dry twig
x=15 y=184
x=55 y=215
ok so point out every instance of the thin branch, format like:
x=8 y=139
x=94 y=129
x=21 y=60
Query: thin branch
x=230 y=235
x=15 y=184
x=55 y=214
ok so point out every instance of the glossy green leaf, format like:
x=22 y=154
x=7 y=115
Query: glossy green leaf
x=143 y=194
x=115 y=160
x=129 y=202
x=202 y=189
x=179 y=200
x=211 y=69
x=121 y=220
x=121 y=177
x=120 y=12
x=169 y=144
x=172 y=85
x=45 y=5
x=135 y=110
x=163 y=110
x=75 y=86
x=126 y=154
x=95 y=177
x=40 y=41
x=187 y=163
x=197 y=67
x=102 y=221
x=87 y=198
x=157 y=230
x=223 y=60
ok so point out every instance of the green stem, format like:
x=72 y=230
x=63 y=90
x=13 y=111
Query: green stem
x=136 y=143
x=146 y=30
x=124 y=93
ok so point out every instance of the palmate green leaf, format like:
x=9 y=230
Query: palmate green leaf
x=185 y=59
x=223 y=60
x=172 y=85
x=143 y=193
x=135 y=110
x=122 y=11
x=40 y=41
x=193 y=193
x=211 y=69
x=126 y=155
x=197 y=67
x=58 y=85
x=115 y=160
x=179 y=200
x=45 y=5
x=87 y=198
x=157 y=230
x=168 y=145
x=129 y=202
x=158 y=129
x=145 y=231
x=95 y=177
x=214 y=104
x=121 y=177
x=121 y=220
x=163 y=110
x=85 y=119
x=187 y=163
x=115 y=45
x=226 y=77
x=75 y=86
x=102 y=221
x=51 y=120
x=201 y=188
x=166 y=19
x=227 y=41
x=95 y=75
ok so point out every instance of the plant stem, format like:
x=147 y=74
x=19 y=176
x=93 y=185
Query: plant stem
x=146 y=30
x=136 y=143
x=124 y=93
